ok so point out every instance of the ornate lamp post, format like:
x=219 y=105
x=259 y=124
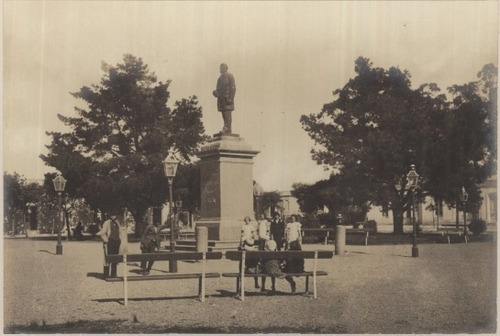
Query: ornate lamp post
x=412 y=177
x=170 y=166
x=464 y=197
x=59 y=185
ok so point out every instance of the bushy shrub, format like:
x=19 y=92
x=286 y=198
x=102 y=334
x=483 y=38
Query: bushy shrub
x=312 y=239
x=309 y=221
x=477 y=226
x=327 y=219
x=370 y=225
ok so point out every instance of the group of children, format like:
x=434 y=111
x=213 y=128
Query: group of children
x=258 y=235
x=271 y=237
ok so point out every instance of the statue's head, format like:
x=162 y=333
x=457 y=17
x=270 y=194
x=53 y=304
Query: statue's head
x=223 y=68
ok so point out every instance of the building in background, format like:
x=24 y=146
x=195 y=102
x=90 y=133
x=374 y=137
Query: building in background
x=428 y=215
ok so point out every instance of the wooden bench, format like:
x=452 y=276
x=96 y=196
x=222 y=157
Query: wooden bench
x=450 y=230
x=319 y=232
x=241 y=256
x=362 y=232
x=330 y=233
x=161 y=256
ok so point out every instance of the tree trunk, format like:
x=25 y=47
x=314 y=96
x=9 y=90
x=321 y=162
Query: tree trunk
x=66 y=217
x=397 y=215
x=457 y=218
x=398 y=223
x=139 y=223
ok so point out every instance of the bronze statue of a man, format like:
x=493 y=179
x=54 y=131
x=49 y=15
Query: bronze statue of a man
x=225 y=92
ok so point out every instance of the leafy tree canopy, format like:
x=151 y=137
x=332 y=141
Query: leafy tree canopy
x=378 y=125
x=113 y=154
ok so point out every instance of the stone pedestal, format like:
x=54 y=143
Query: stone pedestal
x=226 y=169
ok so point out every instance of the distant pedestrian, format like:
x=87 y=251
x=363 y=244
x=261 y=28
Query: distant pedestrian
x=79 y=230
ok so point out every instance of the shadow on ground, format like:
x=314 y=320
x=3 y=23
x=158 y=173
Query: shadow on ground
x=135 y=327
x=158 y=298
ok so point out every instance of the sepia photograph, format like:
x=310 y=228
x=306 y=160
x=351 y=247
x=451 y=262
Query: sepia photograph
x=250 y=167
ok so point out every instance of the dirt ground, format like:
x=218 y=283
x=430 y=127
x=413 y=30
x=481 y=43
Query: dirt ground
x=369 y=289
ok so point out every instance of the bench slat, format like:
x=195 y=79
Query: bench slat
x=174 y=276
x=252 y=275
x=133 y=257
x=236 y=255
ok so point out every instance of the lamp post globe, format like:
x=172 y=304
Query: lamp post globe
x=59 y=185
x=412 y=178
x=170 y=167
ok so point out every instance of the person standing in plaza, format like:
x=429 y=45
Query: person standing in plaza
x=293 y=231
x=111 y=236
x=264 y=231
x=150 y=241
x=277 y=230
x=248 y=243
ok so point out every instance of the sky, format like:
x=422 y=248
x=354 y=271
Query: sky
x=286 y=57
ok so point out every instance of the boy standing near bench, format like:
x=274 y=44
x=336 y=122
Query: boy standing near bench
x=150 y=241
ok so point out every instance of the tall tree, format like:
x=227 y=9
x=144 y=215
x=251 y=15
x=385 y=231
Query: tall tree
x=113 y=154
x=472 y=121
x=18 y=192
x=269 y=200
x=374 y=129
x=339 y=194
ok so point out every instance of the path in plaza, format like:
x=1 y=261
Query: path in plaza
x=370 y=289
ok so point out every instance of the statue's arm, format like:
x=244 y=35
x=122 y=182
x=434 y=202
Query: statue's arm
x=232 y=86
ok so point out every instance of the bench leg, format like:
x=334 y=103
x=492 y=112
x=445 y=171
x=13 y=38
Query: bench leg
x=199 y=288
x=307 y=284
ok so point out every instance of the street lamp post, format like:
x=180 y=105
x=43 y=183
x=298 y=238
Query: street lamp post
x=170 y=166
x=464 y=197
x=412 y=177
x=59 y=185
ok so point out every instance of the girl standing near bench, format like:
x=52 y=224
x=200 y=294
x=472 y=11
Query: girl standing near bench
x=247 y=243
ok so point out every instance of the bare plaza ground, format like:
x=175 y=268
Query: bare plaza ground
x=370 y=289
